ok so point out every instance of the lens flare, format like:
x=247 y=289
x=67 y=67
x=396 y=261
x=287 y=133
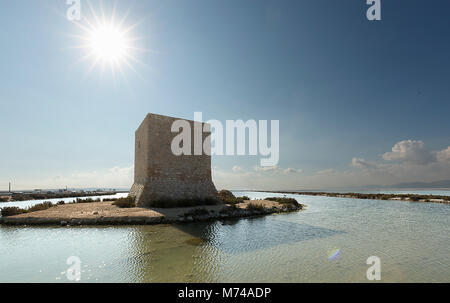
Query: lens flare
x=334 y=254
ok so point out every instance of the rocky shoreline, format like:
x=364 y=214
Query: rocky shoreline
x=104 y=213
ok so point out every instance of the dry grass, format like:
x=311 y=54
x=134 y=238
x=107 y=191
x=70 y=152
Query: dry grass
x=127 y=202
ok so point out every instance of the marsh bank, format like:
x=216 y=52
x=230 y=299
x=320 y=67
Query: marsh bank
x=105 y=213
x=406 y=197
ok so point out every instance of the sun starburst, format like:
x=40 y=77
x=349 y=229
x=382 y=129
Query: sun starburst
x=107 y=42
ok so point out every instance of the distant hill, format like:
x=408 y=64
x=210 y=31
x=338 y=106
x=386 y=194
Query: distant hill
x=436 y=184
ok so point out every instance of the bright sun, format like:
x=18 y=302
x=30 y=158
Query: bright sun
x=107 y=42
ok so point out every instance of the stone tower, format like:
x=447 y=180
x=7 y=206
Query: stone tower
x=159 y=175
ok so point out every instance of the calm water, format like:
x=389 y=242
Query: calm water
x=411 y=239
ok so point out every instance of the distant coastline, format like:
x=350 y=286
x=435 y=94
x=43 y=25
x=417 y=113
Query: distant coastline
x=372 y=196
x=44 y=195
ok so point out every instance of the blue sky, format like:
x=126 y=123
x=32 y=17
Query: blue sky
x=359 y=102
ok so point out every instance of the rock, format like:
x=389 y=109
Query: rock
x=189 y=219
x=95 y=213
x=64 y=223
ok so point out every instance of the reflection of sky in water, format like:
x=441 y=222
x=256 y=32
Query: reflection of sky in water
x=411 y=240
x=244 y=235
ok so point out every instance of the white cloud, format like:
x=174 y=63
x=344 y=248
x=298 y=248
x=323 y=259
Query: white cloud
x=443 y=155
x=292 y=171
x=115 y=177
x=272 y=177
x=328 y=171
x=276 y=169
x=409 y=151
x=267 y=168
x=409 y=161
x=361 y=163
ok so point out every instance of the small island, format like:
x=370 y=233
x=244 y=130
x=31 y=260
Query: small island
x=124 y=211
x=168 y=188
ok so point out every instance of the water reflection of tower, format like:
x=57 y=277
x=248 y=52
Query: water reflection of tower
x=173 y=253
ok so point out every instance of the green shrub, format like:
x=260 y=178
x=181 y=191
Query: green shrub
x=12 y=211
x=228 y=198
x=226 y=194
x=256 y=207
x=40 y=207
x=88 y=200
x=110 y=199
x=172 y=203
x=292 y=207
x=284 y=200
x=127 y=202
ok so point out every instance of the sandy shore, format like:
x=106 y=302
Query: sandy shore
x=104 y=213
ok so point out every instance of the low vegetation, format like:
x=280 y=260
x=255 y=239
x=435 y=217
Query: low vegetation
x=88 y=200
x=127 y=202
x=256 y=207
x=12 y=211
x=369 y=196
x=56 y=195
x=40 y=207
x=110 y=199
x=415 y=199
x=228 y=198
x=288 y=202
x=172 y=203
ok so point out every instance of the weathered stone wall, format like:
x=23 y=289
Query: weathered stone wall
x=161 y=175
